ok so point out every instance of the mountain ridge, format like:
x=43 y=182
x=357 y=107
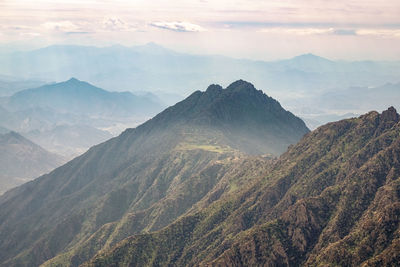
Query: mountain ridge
x=330 y=199
x=134 y=69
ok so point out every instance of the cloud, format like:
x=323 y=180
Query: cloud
x=299 y=31
x=77 y=33
x=178 y=26
x=310 y=31
x=116 y=24
x=345 y=32
x=61 y=26
x=108 y=24
x=383 y=33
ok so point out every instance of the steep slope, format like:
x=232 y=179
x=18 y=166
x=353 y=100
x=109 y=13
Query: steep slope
x=74 y=96
x=331 y=200
x=21 y=160
x=141 y=180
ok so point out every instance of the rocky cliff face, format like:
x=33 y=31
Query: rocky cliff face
x=332 y=199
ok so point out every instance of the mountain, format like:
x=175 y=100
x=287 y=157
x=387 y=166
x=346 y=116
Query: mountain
x=69 y=117
x=21 y=160
x=331 y=200
x=309 y=63
x=69 y=140
x=143 y=179
x=74 y=96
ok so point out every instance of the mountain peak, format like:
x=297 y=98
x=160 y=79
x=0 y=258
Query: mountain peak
x=73 y=80
x=242 y=86
x=390 y=115
x=237 y=86
x=310 y=58
x=152 y=48
x=239 y=111
x=214 y=89
x=309 y=55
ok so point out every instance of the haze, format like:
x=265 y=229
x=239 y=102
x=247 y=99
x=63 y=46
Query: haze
x=262 y=30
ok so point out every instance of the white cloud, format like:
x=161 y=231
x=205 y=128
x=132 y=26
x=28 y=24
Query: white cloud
x=178 y=26
x=384 y=33
x=299 y=31
x=61 y=26
x=116 y=24
x=31 y=34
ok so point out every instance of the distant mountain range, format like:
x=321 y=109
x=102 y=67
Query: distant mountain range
x=145 y=178
x=338 y=104
x=361 y=98
x=21 y=160
x=155 y=68
x=71 y=116
x=171 y=75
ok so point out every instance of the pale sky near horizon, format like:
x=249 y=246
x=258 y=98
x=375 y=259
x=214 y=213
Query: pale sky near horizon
x=265 y=30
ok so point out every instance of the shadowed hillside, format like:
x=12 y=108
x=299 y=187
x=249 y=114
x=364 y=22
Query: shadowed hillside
x=21 y=160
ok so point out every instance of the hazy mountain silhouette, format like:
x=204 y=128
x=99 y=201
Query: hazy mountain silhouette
x=338 y=104
x=79 y=97
x=21 y=160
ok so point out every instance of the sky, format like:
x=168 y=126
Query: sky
x=260 y=30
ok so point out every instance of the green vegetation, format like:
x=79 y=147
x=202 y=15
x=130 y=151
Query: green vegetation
x=210 y=148
x=331 y=200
